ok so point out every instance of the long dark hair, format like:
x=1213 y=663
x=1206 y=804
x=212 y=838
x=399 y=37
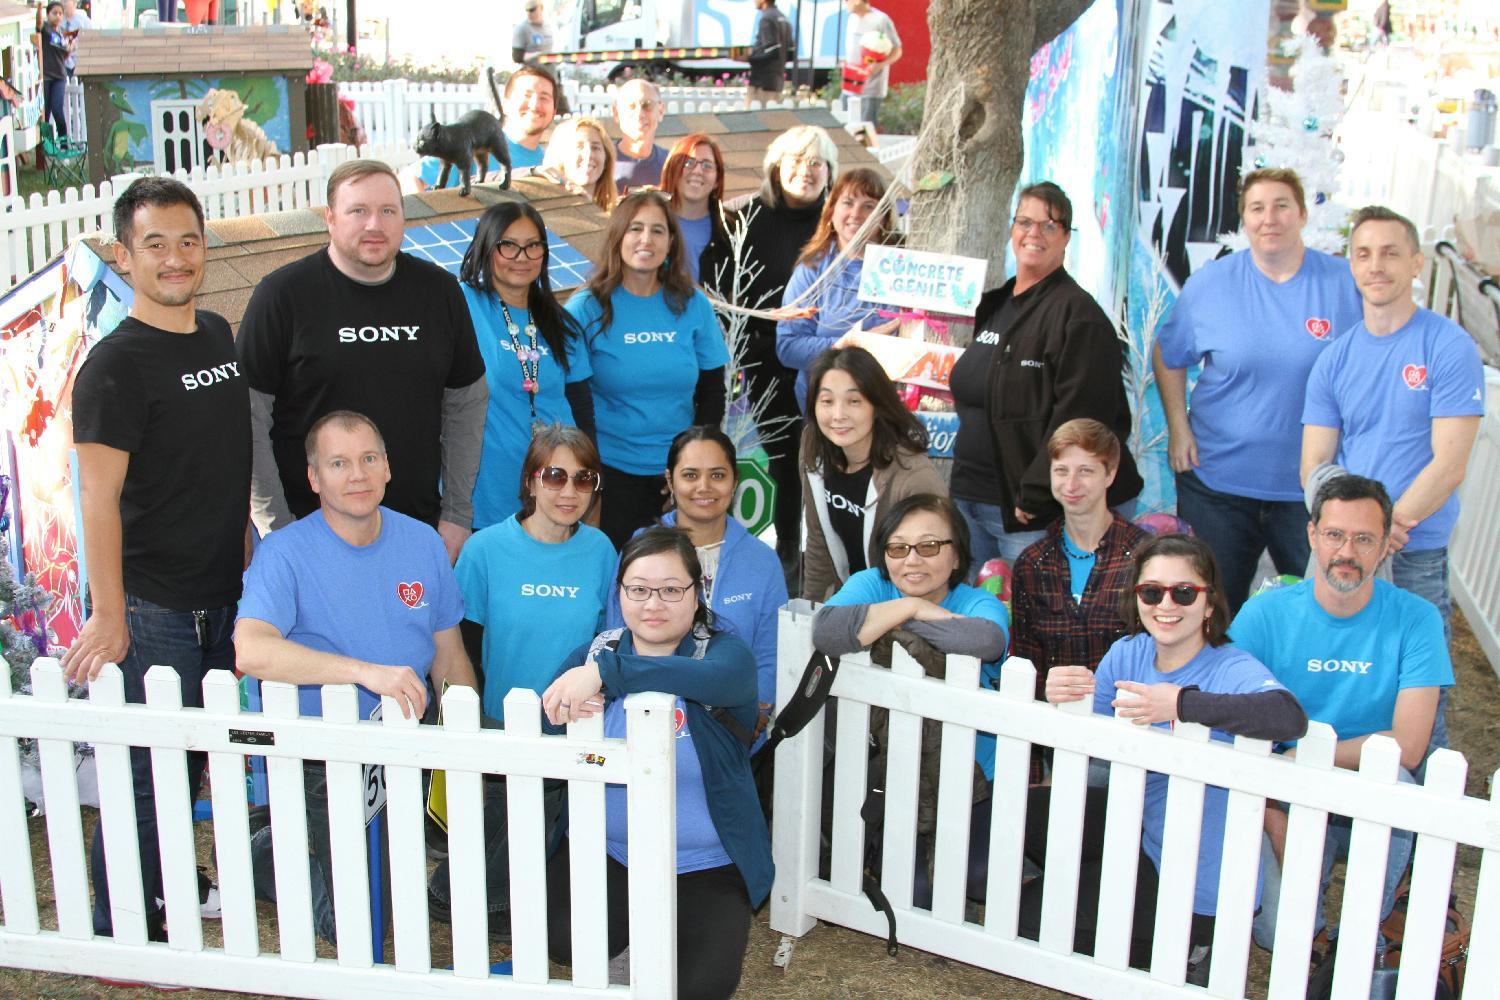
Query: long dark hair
x=896 y=427
x=656 y=540
x=556 y=325
x=676 y=280
x=1201 y=557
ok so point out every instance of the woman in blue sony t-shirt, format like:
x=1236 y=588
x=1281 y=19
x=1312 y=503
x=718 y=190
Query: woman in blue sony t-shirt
x=657 y=354
x=1175 y=665
x=534 y=360
x=669 y=643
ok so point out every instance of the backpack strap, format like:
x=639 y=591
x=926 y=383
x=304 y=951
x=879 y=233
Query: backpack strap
x=807 y=700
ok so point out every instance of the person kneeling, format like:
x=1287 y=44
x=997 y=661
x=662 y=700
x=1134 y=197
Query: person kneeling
x=669 y=643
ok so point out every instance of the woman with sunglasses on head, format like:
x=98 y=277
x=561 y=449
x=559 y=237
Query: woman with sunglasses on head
x=1043 y=353
x=861 y=453
x=742 y=580
x=1174 y=666
x=693 y=180
x=657 y=355
x=799 y=340
x=670 y=643
x=534 y=587
x=535 y=361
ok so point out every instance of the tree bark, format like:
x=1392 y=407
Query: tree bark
x=976 y=93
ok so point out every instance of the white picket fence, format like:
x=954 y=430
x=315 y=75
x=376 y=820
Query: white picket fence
x=1438 y=812
x=644 y=763
x=1474 y=553
x=35 y=230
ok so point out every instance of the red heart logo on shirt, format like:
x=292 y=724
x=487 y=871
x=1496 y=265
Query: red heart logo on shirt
x=679 y=717
x=410 y=593
x=1415 y=376
x=1318 y=327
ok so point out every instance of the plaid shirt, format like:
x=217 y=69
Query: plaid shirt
x=1047 y=627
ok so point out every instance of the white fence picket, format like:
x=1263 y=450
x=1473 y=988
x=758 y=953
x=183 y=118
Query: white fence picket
x=17 y=880
x=902 y=783
x=1364 y=883
x=1007 y=802
x=850 y=777
x=348 y=841
x=526 y=830
x=226 y=775
x=950 y=875
x=797 y=797
x=294 y=917
x=60 y=791
x=1120 y=863
x=1431 y=882
x=405 y=821
x=118 y=819
x=650 y=795
x=586 y=870
x=1181 y=835
x=1070 y=771
x=466 y=866
x=174 y=821
x=1244 y=819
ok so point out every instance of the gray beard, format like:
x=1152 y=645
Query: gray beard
x=1342 y=585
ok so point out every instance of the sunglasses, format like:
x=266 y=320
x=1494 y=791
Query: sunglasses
x=1183 y=594
x=926 y=549
x=554 y=478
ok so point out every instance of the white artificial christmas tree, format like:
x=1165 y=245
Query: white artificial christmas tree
x=1295 y=129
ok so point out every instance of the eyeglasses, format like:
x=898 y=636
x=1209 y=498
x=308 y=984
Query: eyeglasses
x=1025 y=225
x=510 y=249
x=926 y=549
x=693 y=163
x=1334 y=538
x=1183 y=594
x=637 y=592
x=554 y=478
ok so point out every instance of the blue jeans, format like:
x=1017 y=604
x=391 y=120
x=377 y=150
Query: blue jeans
x=1425 y=573
x=55 y=105
x=988 y=538
x=1239 y=529
x=1335 y=846
x=160 y=635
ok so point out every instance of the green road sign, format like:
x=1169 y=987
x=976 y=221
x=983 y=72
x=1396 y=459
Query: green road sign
x=755 y=498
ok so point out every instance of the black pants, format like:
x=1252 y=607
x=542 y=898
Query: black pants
x=1091 y=867
x=629 y=502
x=771 y=379
x=713 y=923
x=497 y=841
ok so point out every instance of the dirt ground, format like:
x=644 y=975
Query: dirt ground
x=833 y=962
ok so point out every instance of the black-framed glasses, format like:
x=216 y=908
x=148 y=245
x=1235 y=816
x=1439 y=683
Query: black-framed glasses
x=707 y=164
x=1334 y=538
x=554 y=478
x=1184 y=595
x=926 y=548
x=1025 y=225
x=510 y=249
x=638 y=592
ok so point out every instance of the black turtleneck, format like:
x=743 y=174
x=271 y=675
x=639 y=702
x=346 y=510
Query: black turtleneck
x=774 y=241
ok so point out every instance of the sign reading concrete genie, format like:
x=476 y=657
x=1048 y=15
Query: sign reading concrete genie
x=916 y=279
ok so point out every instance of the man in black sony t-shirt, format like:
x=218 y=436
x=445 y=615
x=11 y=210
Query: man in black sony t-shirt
x=367 y=328
x=161 y=421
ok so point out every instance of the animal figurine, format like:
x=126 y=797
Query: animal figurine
x=477 y=133
x=231 y=135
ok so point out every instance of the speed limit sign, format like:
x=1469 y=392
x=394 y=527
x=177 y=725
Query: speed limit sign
x=755 y=497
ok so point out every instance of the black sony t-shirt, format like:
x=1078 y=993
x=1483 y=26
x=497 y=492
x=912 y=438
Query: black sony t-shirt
x=319 y=341
x=845 y=494
x=178 y=403
x=974 y=476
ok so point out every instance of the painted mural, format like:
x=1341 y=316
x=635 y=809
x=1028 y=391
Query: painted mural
x=47 y=326
x=127 y=126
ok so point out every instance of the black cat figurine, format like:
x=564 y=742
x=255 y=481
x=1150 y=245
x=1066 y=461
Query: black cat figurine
x=476 y=133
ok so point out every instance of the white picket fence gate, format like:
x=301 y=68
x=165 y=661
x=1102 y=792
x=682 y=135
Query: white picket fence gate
x=35 y=230
x=1438 y=812
x=1474 y=552
x=644 y=763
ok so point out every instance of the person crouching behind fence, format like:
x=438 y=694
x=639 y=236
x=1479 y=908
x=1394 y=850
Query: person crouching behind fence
x=669 y=643
x=1174 y=666
x=923 y=543
x=353 y=593
x=1344 y=615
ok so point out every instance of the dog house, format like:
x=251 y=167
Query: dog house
x=143 y=87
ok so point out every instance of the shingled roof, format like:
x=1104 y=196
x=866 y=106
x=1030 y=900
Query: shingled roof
x=242 y=251
x=206 y=49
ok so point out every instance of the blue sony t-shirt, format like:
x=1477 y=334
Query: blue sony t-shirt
x=1217 y=669
x=381 y=603
x=509 y=419
x=1382 y=393
x=646 y=369
x=1346 y=672
x=869 y=587
x=536 y=601
x=1257 y=341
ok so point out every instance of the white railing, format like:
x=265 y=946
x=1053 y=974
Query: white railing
x=644 y=762
x=33 y=231
x=1474 y=553
x=73 y=104
x=1438 y=812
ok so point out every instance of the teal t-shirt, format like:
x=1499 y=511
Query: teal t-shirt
x=869 y=587
x=508 y=421
x=645 y=369
x=537 y=602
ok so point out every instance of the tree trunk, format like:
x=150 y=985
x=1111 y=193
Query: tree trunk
x=976 y=91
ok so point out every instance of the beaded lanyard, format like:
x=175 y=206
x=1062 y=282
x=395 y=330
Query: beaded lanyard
x=529 y=358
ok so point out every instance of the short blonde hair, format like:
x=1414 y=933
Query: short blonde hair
x=796 y=141
x=357 y=170
x=561 y=145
